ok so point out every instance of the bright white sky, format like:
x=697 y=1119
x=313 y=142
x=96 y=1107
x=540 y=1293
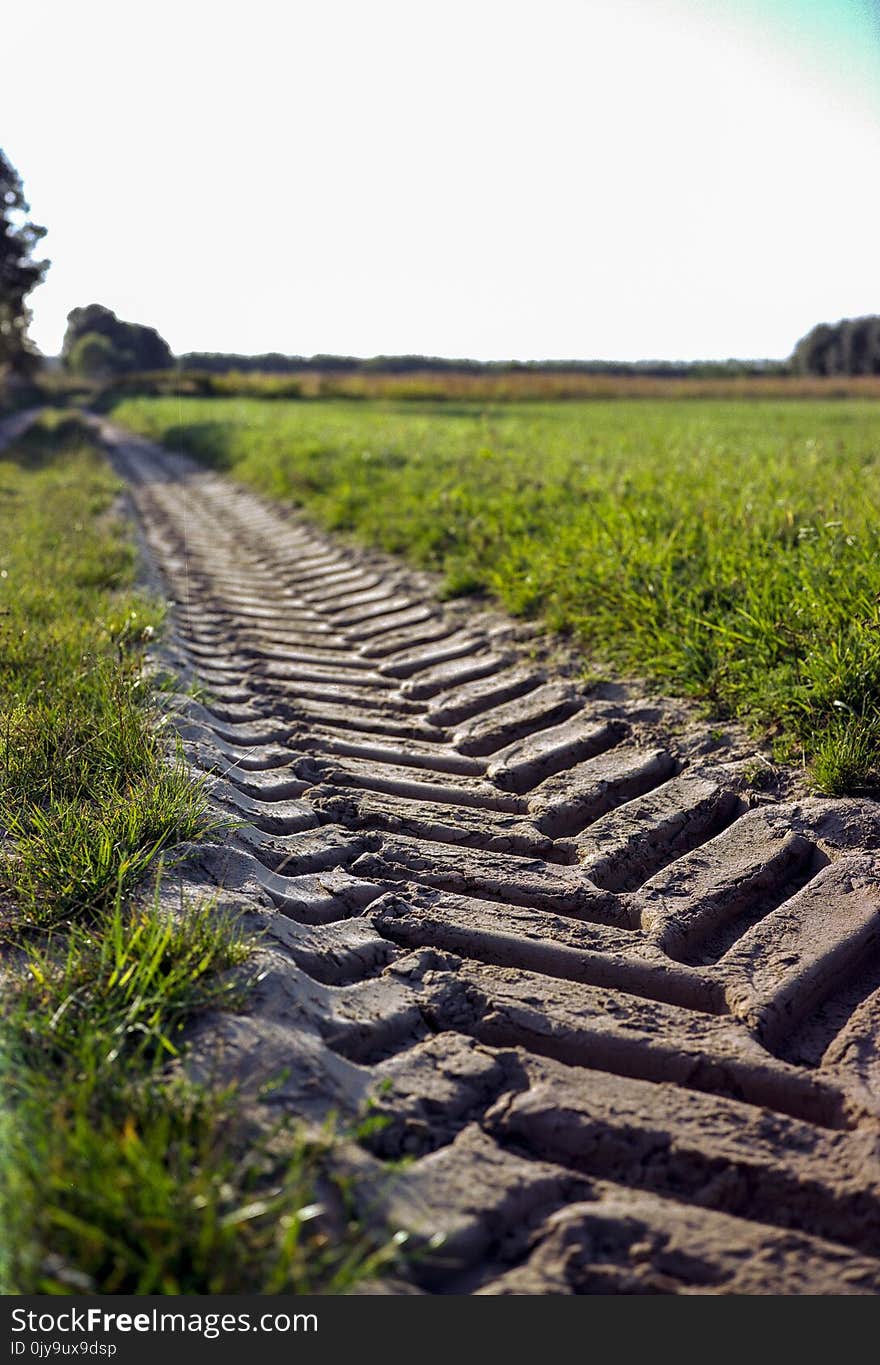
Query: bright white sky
x=486 y=178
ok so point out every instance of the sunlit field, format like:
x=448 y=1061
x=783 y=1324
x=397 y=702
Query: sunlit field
x=729 y=551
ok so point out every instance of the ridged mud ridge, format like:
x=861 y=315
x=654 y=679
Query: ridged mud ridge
x=620 y=1010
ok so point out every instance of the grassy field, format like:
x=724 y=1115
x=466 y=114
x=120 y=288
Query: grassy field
x=114 y=1178
x=727 y=550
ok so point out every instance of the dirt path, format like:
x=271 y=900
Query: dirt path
x=619 y=1008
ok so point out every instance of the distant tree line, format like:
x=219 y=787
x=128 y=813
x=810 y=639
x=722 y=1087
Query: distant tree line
x=851 y=346
x=273 y=362
x=99 y=345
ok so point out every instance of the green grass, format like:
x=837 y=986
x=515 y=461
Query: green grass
x=85 y=790
x=727 y=551
x=120 y=1178
x=124 y=988
x=117 y=1175
x=147 y=1187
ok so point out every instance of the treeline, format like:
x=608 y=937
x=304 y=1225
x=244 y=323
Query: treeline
x=100 y=347
x=851 y=346
x=273 y=362
x=848 y=347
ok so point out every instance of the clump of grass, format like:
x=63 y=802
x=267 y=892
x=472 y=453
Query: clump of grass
x=150 y=1188
x=119 y=1179
x=70 y=856
x=728 y=551
x=126 y=987
x=846 y=756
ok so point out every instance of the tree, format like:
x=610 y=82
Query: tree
x=851 y=346
x=133 y=346
x=19 y=273
x=95 y=357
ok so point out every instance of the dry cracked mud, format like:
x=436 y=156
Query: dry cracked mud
x=616 y=1007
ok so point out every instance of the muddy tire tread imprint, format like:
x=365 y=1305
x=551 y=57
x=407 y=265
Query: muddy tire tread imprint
x=617 y=1009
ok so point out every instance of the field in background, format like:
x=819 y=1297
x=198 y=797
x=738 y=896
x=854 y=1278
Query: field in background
x=483 y=387
x=729 y=551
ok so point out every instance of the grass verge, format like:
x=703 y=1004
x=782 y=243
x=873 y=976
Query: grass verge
x=727 y=551
x=117 y=1175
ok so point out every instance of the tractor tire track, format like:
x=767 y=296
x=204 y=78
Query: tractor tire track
x=621 y=1011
